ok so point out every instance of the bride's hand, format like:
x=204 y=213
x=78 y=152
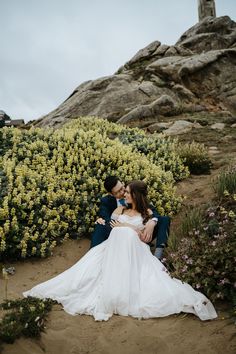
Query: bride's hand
x=115 y=223
x=100 y=221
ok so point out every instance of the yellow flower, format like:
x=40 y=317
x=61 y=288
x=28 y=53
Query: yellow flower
x=231 y=214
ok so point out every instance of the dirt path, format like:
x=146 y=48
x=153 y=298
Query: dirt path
x=179 y=334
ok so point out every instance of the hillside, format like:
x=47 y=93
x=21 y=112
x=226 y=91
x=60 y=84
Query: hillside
x=178 y=333
x=189 y=90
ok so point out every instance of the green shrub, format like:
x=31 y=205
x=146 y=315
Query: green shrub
x=159 y=150
x=195 y=157
x=225 y=184
x=192 y=219
x=24 y=317
x=54 y=183
x=206 y=257
x=6 y=140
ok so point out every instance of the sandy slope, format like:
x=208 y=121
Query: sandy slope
x=67 y=334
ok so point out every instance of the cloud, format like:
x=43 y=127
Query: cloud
x=49 y=47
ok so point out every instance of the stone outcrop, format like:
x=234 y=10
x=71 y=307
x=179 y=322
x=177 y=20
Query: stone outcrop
x=161 y=106
x=181 y=127
x=218 y=126
x=4 y=116
x=196 y=74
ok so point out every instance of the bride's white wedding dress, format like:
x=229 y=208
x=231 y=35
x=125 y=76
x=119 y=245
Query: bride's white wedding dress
x=121 y=276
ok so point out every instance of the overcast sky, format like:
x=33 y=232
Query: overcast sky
x=49 y=47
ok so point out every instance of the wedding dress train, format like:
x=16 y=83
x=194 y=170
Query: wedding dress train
x=121 y=276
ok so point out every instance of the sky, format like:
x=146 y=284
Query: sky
x=49 y=47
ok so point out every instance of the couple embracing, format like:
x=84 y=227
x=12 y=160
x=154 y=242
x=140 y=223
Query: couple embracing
x=156 y=227
x=120 y=275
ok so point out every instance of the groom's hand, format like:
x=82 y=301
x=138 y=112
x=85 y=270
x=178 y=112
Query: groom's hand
x=146 y=235
x=100 y=221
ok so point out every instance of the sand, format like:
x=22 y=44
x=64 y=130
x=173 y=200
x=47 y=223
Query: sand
x=66 y=334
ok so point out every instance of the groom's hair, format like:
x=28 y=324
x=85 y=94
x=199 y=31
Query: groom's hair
x=110 y=182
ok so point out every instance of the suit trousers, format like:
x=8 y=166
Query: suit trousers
x=100 y=234
x=161 y=231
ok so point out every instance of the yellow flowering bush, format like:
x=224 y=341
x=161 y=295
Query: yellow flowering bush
x=54 y=179
x=196 y=157
x=159 y=150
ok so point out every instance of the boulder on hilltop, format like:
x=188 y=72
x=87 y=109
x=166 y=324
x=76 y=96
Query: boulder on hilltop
x=198 y=72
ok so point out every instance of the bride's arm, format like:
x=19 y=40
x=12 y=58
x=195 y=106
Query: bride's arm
x=118 y=211
x=146 y=234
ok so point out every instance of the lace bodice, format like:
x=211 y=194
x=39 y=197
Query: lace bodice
x=136 y=220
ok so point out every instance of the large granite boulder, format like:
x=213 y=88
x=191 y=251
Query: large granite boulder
x=198 y=73
x=210 y=34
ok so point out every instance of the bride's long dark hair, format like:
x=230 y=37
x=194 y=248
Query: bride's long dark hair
x=138 y=191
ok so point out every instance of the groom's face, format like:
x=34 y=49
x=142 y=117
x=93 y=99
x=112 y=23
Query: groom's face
x=118 y=191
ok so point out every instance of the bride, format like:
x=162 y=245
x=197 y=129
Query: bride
x=121 y=276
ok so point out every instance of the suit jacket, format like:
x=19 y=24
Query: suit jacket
x=109 y=204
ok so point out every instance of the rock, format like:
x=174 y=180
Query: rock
x=161 y=50
x=183 y=92
x=144 y=53
x=162 y=106
x=177 y=67
x=195 y=108
x=183 y=51
x=171 y=51
x=109 y=97
x=139 y=112
x=179 y=127
x=157 y=80
x=197 y=74
x=10 y=270
x=197 y=125
x=226 y=138
x=4 y=116
x=213 y=150
x=209 y=34
x=233 y=125
x=166 y=67
x=156 y=127
x=225 y=114
x=148 y=88
x=219 y=126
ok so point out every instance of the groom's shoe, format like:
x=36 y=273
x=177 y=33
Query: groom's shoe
x=158 y=252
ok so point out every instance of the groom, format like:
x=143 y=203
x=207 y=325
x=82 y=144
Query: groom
x=157 y=227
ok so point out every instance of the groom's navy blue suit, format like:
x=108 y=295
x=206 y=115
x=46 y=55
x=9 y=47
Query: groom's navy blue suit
x=108 y=205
